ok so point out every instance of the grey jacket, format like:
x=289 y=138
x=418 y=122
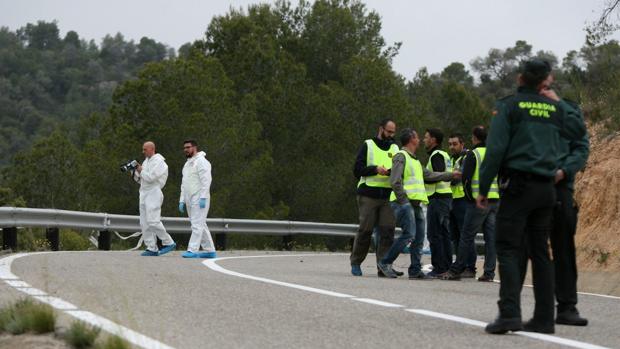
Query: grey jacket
x=398 y=170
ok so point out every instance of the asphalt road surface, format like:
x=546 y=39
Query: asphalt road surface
x=282 y=300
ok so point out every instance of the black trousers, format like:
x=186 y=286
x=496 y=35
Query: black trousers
x=523 y=225
x=563 y=247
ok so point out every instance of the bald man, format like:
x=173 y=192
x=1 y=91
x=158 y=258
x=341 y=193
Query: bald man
x=152 y=175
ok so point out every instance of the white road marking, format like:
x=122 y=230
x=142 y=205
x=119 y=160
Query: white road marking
x=121 y=331
x=212 y=264
x=56 y=302
x=95 y=320
x=599 y=295
x=5 y=267
x=559 y=340
x=454 y=318
x=143 y=341
x=17 y=283
x=540 y=336
x=583 y=293
x=31 y=291
x=376 y=302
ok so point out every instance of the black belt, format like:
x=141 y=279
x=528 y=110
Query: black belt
x=527 y=176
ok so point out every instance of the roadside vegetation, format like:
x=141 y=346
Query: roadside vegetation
x=28 y=317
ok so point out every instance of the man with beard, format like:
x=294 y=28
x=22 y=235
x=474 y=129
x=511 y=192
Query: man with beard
x=440 y=200
x=372 y=167
x=456 y=145
x=476 y=219
x=408 y=194
x=195 y=197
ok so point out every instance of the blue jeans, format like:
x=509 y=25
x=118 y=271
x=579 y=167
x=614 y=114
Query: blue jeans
x=411 y=220
x=477 y=220
x=438 y=218
x=457 y=220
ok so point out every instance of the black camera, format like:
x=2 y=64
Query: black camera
x=129 y=166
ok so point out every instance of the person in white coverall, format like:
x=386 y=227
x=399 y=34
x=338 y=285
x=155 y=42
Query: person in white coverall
x=152 y=175
x=195 y=197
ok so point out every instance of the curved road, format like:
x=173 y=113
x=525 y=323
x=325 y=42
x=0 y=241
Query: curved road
x=282 y=300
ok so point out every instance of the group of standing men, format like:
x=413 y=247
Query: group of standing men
x=195 y=194
x=536 y=144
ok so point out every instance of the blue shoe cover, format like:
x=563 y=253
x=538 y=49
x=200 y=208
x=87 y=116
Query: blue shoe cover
x=356 y=270
x=208 y=254
x=167 y=248
x=190 y=254
x=149 y=253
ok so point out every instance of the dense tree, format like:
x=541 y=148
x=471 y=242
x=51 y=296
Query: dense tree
x=321 y=77
x=279 y=96
x=498 y=70
x=46 y=81
x=47 y=175
x=175 y=100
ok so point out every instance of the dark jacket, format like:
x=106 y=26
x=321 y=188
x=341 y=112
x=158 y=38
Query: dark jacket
x=525 y=135
x=397 y=174
x=361 y=169
x=438 y=164
x=573 y=154
x=469 y=169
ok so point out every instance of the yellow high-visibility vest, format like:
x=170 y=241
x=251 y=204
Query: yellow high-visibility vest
x=475 y=181
x=439 y=187
x=413 y=179
x=457 y=190
x=375 y=156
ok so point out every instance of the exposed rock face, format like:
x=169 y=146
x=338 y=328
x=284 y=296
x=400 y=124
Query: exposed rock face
x=597 y=192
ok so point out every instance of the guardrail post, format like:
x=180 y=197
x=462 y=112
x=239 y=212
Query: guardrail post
x=287 y=242
x=53 y=237
x=104 y=240
x=220 y=242
x=9 y=238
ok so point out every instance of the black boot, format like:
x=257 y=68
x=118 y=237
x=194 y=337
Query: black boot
x=503 y=325
x=571 y=318
x=535 y=326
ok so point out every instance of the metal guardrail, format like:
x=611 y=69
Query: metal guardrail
x=52 y=219
x=12 y=218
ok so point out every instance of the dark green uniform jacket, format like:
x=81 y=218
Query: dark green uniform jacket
x=573 y=154
x=526 y=133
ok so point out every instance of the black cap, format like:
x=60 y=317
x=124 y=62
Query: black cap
x=536 y=67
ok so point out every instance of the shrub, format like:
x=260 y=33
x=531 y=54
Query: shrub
x=71 y=240
x=81 y=335
x=114 y=342
x=27 y=316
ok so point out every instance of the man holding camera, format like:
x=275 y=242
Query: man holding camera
x=195 y=197
x=152 y=175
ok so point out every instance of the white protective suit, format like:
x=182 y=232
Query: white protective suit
x=152 y=179
x=195 y=185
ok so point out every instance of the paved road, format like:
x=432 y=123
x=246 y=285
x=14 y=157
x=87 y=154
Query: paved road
x=187 y=304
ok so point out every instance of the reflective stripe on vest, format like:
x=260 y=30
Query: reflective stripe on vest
x=457 y=190
x=413 y=179
x=439 y=187
x=377 y=157
x=479 y=153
